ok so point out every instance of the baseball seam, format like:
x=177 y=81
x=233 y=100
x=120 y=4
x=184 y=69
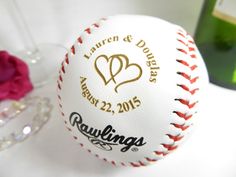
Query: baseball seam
x=182 y=123
x=190 y=86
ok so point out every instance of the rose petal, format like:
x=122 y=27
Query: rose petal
x=4 y=90
x=17 y=92
x=4 y=55
x=14 y=76
x=21 y=66
x=7 y=69
x=17 y=85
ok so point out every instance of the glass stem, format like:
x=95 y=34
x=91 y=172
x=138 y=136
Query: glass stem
x=30 y=45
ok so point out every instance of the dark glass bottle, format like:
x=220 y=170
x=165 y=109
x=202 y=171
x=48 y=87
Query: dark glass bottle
x=215 y=37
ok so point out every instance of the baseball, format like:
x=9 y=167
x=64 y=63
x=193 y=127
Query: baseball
x=129 y=89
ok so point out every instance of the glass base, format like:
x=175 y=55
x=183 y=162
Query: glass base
x=21 y=119
x=43 y=62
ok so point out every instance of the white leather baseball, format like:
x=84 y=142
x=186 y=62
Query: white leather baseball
x=129 y=88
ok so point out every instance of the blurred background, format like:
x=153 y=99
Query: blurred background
x=62 y=21
x=210 y=152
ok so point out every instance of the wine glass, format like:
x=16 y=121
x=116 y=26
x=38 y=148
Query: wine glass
x=42 y=59
x=25 y=117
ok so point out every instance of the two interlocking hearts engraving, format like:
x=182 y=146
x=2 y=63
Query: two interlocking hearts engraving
x=122 y=66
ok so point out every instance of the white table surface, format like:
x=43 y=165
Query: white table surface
x=209 y=152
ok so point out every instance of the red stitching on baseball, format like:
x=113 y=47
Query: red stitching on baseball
x=179 y=33
x=72 y=49
x=75 y=137
x=190 y=41
x=62 y=68
x=113 y=163
x=67 y=59
x=183 y=51
x=150 y=160
x=188 y=77
x=161 y=153
x=183 y=127
x=60 y=77
x=123 y=164
x=191 y=49
x=187 y=103
x=187 y=89
x=80 y=40
x=96 y=25
x=68 y=128
x=193 y=56
x=134 y=165
x=182 y=42
x=192 y=81
x=59 y=97
x=193 y=67
x=58 y=85
x=141 y=163
x=186 y=64
x=183 y=115
x=170 y=147
x=175 y=138
x=62 y=113
x=88 y=30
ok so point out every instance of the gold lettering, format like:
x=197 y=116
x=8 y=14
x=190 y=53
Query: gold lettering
x=109 y=40
x=86 y=93
x=141 y=44
x=152 y=80
x=146 y=50
x=104 y=41
x=153 y=73
x=100 y=44
x=150 y=56
x=150 y=62
x=115 y=38
x=94 y=101
x=93 y=49
x=82 y=79
x=86 y=56
x=128 y=38
x=152 y=68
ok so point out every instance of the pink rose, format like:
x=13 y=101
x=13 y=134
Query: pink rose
x=14 y=77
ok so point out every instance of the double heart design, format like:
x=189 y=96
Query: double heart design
x=122 y=66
